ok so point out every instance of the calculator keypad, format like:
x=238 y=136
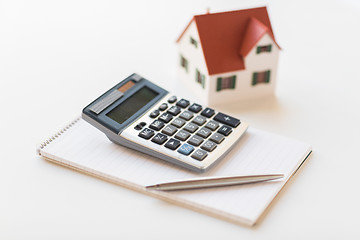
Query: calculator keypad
x=187 y=128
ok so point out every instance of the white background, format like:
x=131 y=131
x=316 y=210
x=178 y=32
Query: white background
x=57 y=56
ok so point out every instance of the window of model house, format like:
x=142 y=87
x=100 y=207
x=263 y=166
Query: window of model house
x=225 y=83
x=261 y=49
x=184 y=63
x=193 y=42
x=200 y=78
x=261 y=77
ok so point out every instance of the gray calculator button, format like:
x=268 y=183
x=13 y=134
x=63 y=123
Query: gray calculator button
x=217 y=137
x=191 y=127
x=199 y=120
x=199 y=155
x=195 y=140
x=182 y=135
x=186 y=115
x=178 y=122
x=209 y=146
x=212 y=125
x=204 y=132
x=169 y=130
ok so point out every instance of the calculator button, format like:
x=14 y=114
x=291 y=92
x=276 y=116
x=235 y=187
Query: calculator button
x=209 y=146
x=199 y=155
x=178 y=122
x=195 y=140
x=212 y=125
x=138 y=127
x=195 y=108
x=143 y=124
x=166 y=117
x=199 y=120
x=183 y=103
x=159 y=138
x=223 y=118
x=208 y=112
x=217 y=137
x=186 y=149
x=191 y=127
x=154 y=113
x=182 y=135
x=225 y=130
x=172 y=144
x=169 y=130
x=186 y=115
x=172 y=99
x=204 y=132
x=163 y=107
x=157 y=125
x=146 y=133
x=174 y=110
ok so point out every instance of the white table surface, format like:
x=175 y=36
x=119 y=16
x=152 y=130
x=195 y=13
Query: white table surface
x=57 y=56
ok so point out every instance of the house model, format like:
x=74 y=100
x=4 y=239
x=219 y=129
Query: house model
x=229 y=56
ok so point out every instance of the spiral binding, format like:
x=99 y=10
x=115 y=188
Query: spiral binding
x=56 y=135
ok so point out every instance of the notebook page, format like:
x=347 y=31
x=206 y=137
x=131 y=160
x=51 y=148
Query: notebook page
x=257 y=152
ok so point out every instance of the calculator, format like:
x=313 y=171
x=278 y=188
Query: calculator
x=140 y=115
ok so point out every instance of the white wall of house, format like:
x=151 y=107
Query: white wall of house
x=196 y=60
x=243 y=88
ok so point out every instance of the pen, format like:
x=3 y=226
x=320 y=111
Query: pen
x=213 y=182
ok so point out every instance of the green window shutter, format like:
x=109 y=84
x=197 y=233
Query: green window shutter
x=233 y=80
x=203 y=81
x=267 y=77
x=258 y=50
x=254 y=79
x=269 y=48
x=218 y=84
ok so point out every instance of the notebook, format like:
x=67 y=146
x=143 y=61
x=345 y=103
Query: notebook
x=82 y=147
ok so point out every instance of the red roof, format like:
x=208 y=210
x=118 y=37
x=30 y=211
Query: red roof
x=227 y=37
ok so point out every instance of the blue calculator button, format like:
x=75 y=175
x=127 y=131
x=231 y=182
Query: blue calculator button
x=186 y=149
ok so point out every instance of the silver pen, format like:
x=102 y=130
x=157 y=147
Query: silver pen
x=208 y=182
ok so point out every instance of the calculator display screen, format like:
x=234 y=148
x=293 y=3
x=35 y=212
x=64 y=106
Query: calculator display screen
x=131 y=105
